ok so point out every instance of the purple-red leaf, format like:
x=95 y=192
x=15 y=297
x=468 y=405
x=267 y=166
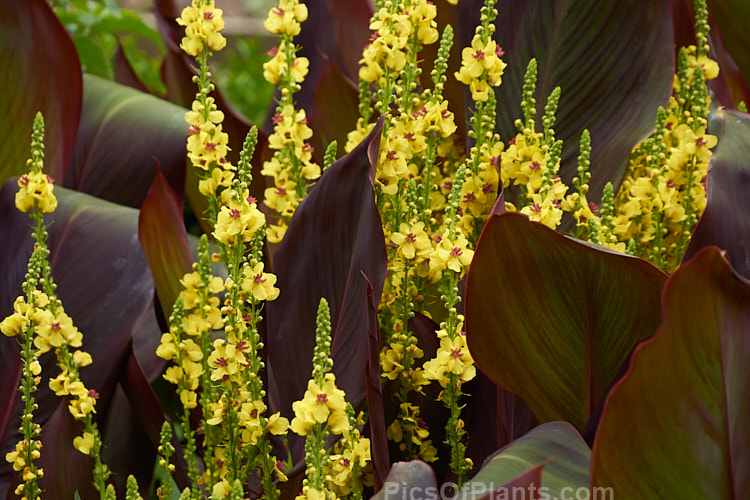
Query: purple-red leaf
x=34 y=78
x=124 y=137
x=104 y=284
x=552 y=319
x=725 y=222
x=730 y=16
x=334 y=246
x=676 y=426
x=613 y=60
x=530 y=481
x=164 y=240
x=335 y=110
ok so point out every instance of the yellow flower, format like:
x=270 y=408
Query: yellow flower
x=452 y=357
x=320 y=404
x=285 y=18
x=412 y=241
x=451 y=254
x=84 y=443
x=55 y=331
x=238 y=219
x=35 y=188
x=259 y=284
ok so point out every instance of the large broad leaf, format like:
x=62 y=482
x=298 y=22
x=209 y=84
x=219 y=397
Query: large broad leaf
x=725 y=222
x=164 y=239
x=613 y=60
x=104 y=284
x=40 y=72
x=552 y=319
x=334 y=246
x=335 y=110
x=124 y=137
x=676 y=426
x=729 y=15
x=556 y=444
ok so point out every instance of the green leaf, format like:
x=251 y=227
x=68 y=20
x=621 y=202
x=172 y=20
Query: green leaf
x=125 y=135
x=553 y=319
x=40 y=72
x=676 y=426
x=556 y=445
x=164 y=239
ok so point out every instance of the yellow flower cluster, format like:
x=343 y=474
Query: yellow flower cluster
x=481 y=66
x=321 y=404
x=527 y=163
x=393 y=26
x=452 y=357
x=292 y=167
x=203 y=23
x=17 y=457
x=410 y=430
x=285 y=18
x=35 y=189
x=348 y=461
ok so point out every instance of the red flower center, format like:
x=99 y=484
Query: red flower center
x=455 y=252
x=411 y=238
x=456 y=353
x=208 y=15
x=478 y=55
x=322 y=398
x=234 y=213
x=55 y=326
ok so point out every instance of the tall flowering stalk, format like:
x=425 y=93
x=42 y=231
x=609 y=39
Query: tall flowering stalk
x=222 y=376
x=321 y=413
x=291 y=166
x=40 y=318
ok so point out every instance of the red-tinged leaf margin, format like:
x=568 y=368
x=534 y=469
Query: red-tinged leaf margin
x=123 y=137
x=162 y=234
x=625 y=51
x=725 y=221
x=552 y=319
x=36 y=78
x=103 y=282
x=676 y=426
x=381 y=462
x=555 y=448
x=333 y=247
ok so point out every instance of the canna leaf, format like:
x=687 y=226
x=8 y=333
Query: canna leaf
x=124 y=137
x=724 y=222
x=164 y=239
x=334 y=246
x=36 y=78
x=624 y=49
x=676 y=426
x=552 y=319
x=555 y=445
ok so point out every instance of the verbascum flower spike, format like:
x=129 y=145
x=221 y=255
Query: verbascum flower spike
x=165 y=451
x=131 y=489
x=330 y=155
x=323 y=403
x=528 y=102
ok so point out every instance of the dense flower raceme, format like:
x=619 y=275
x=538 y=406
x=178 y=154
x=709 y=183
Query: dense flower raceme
x=40 y=319
x=203 y=23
